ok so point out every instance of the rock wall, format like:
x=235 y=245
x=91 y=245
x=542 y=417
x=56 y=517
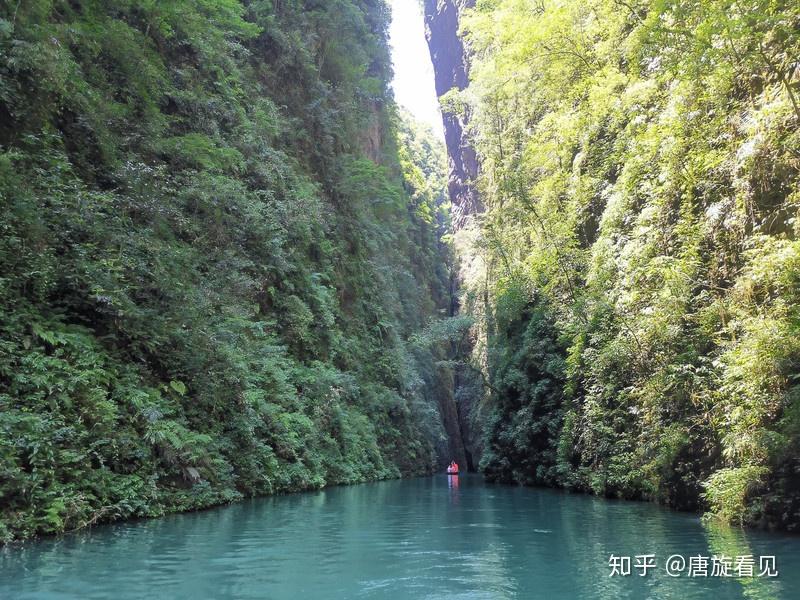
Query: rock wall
x=451 y=70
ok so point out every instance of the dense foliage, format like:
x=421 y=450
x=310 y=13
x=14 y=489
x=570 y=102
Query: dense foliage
x=640 y=164
x=213 y=257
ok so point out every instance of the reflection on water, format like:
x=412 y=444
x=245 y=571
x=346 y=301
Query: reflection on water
x=438 y=537
x=724 y=540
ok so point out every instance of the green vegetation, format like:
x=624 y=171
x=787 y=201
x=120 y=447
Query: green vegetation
x=640 y=165
x=214 y=257
x=223 y=260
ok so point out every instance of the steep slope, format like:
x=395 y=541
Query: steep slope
x=451 y=69
x=451 y=73
x=212 y=258
x=639 y=166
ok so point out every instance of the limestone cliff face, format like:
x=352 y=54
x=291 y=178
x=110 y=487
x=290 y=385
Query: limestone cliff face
x=372 y=136
x=451 y=70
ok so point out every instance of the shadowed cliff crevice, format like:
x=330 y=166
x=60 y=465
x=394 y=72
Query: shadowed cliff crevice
x=451 y=70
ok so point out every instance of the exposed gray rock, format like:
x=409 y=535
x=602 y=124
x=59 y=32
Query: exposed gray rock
x=451 y=70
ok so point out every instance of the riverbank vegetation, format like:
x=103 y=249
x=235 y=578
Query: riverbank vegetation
x=218 y=237
x=640 y=166
x=225 y=255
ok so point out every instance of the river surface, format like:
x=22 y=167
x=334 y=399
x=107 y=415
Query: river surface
x=435 y=537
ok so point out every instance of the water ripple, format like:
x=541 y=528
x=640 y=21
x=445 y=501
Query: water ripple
x=418 y=538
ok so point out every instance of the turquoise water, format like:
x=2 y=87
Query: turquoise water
x=418 y=538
